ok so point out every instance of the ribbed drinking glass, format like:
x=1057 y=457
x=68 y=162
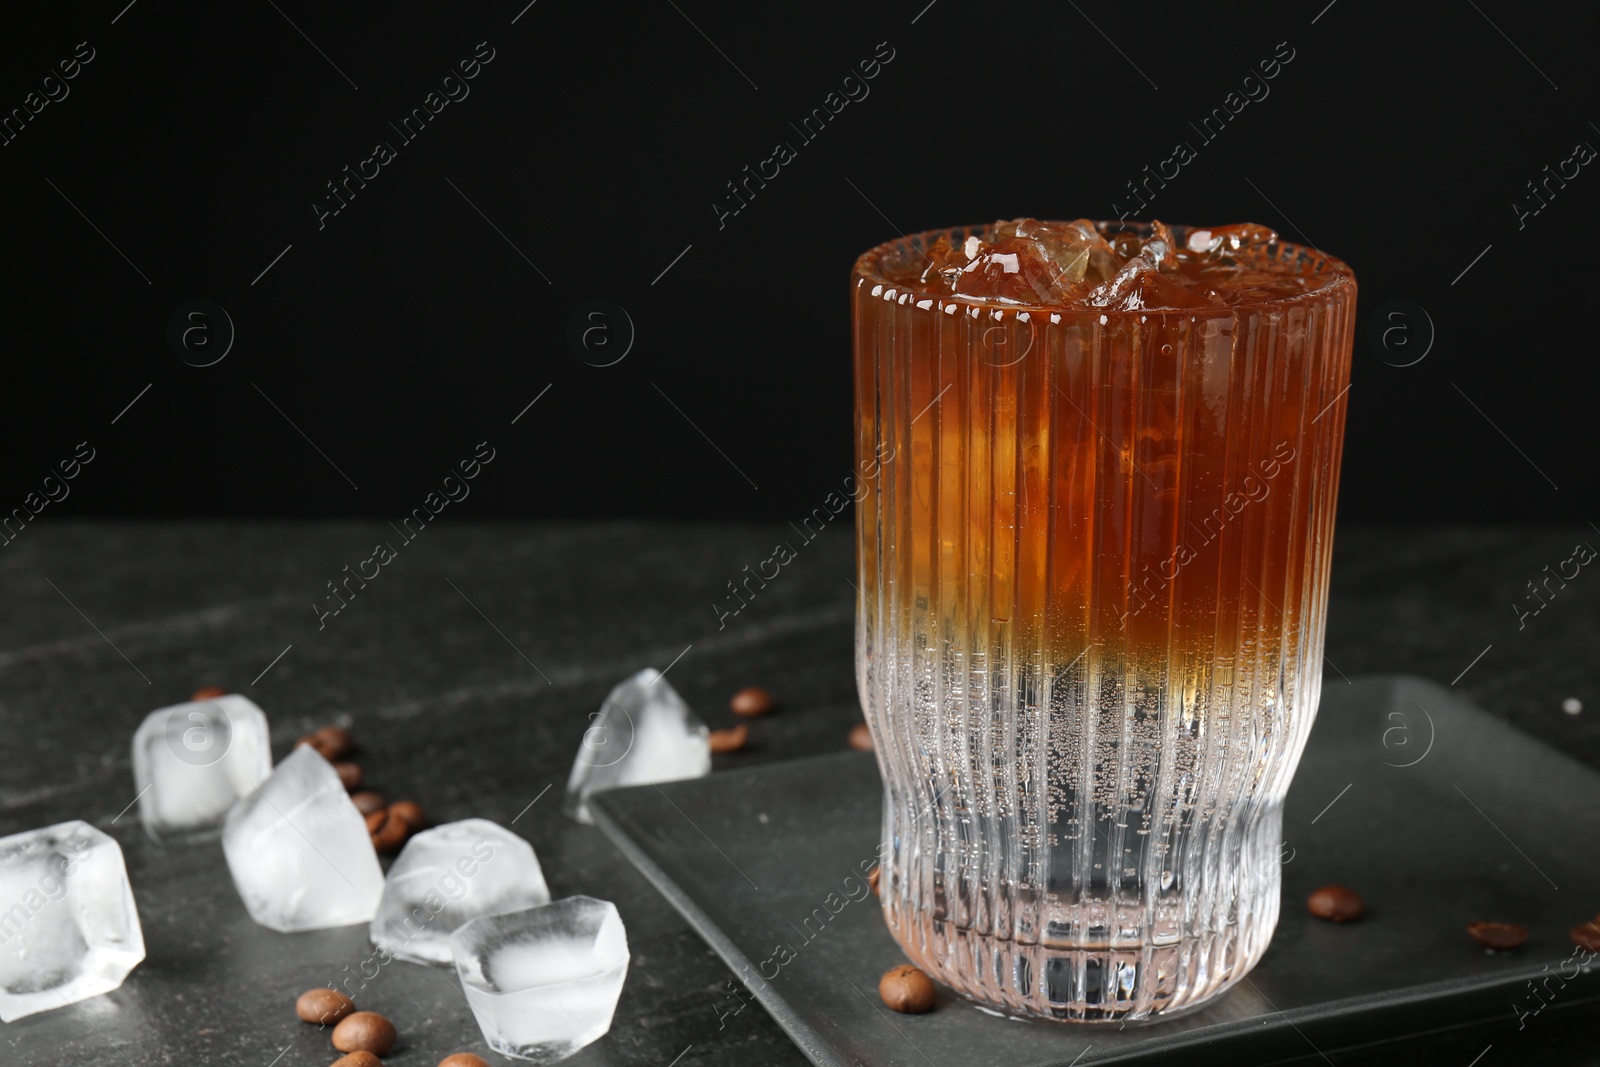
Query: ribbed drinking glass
x=1093 y=563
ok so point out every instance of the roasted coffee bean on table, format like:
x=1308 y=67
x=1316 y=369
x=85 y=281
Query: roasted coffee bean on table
x=333 y=743
x=365 y=1031
x=1498 y=936
x=463 y=1059
x=324 y=749
x=730 y=740
x=1336 y=904
x=408 y=812
x=337 y=740
x=367 y=801
x=906 y=989
x=349 y=775
x=388 y=831
x=323 y=1005
x=358 y=1059
x=752 y=701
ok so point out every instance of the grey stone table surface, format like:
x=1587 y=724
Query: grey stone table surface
x=467 y=670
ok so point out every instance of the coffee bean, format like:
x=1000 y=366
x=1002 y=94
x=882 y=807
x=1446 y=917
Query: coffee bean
x=208 y=692
x=1336 y=904
x=731 y=739
x=751 y=702
x=906 y=989
x=1499 y=936
x=323 y=1005
x=861 y=737
x=463 y=1059
x=331 y=742
x=365 y=1031
x=335 y=742
x=367 y=802
x=1587 y=935
x=872 y=879
x=349 y=775
x=388 y=832
x=408 y=812
x=358 y=1059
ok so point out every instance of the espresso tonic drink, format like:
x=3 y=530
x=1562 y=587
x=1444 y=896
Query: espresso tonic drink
x=1093 y=579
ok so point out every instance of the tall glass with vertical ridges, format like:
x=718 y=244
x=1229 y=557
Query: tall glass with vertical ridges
x=1093 y=567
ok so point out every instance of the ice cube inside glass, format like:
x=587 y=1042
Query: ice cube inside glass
x=68 y=926
x=191 y=762
x=543 y=982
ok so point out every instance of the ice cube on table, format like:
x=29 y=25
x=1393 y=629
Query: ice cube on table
x=68 y=926
x=643 y=733
x=543 y=982
x=447 y=876
x=299 y=851
x=191 y=762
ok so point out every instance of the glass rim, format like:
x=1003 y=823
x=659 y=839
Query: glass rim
x=1340 y=279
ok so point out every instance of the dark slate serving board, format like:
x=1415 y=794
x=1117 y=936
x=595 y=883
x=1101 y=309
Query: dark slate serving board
x=1438 y=813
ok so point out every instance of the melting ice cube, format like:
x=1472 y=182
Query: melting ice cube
x=1013 y=269
x=644 y=732
x=1147 y=279
x=192 y=761
x=447 y=876
x=543 y=982
x=299 y=851
x=1076 y=250
x=68 y=929
x=1021 y=261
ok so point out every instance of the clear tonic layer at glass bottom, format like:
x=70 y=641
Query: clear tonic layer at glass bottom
x=1082 y=951
x=1076 y=845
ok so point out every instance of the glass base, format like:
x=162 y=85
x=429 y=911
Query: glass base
x=540 y=1053
x=1082 y=985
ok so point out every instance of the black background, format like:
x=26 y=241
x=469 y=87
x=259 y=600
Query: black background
x=408 y=329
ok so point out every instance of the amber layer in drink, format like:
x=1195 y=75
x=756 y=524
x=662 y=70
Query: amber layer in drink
x=1139 y=480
